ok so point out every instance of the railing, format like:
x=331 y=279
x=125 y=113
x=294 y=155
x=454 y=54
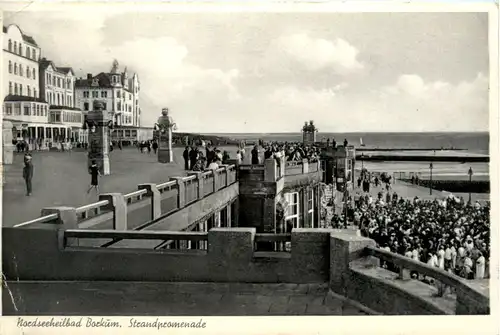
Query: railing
x=42 y=219
x=269 y=242
x=405 y=265
x=293 y=168
x=91 y=210
x=111 y=205
x=170 y=239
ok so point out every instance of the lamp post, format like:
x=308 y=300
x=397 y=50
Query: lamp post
x=430 y=181
x=362 y=159
x=470 y=183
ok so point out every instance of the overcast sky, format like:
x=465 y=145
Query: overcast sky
x=257 y=72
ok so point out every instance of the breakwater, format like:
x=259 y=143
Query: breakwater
x=415 y=158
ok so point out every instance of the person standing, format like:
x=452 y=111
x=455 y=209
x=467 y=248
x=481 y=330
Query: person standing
x=155 y=147
x=255 y=155
x=193 y=157
x=28 y=173
x=94 y=177
x=185 y=155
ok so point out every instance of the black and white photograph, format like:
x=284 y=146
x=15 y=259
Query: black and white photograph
x=246 y=163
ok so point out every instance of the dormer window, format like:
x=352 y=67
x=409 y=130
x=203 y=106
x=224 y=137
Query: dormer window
x=95 y=82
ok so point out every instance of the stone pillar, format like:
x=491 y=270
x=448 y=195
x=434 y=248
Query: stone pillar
x=165 y=125
x=270 y=170
x=228 y=216
x=181 y=196
x=98 y=124
x=199 y=181
x=8 y=147
x=344 y=248
x=155 y=199
x=119 y=207
x=67 y=219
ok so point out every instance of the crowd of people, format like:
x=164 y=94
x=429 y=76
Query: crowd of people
x=450 y=233
x=195 y=160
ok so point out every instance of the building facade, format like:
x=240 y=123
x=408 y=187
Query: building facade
x=38 y=95
x=22 y=103
x=57 y=86
x=116 y=90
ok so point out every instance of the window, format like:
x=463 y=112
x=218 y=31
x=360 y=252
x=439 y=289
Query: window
x=15 y=68
x=119 y=107
x=20 y=89
x=34 y=74
x=117 y=94
x=104 y=106
x=29 y=90
x=10 y=67
x=292 y=213
x=34 y=54
x=16 y=92
x=17 y=109
x=28 y=72
x=310 y=207
x=70 y=104
x=85 y=94
x=28 y=52
x=20 y=69
x=26 y=110
x=104 y=94
x=10 y=87
x=8 y=109
x=59 y=84
x=95 y=94
x=10 y=45
x=15 y=47
x=86 y=106
x=37 y=110
x=20 y=49
x=35 y=93
x=45 y=111
x=68 y=83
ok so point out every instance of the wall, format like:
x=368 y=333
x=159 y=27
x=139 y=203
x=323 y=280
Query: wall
x=230 y=258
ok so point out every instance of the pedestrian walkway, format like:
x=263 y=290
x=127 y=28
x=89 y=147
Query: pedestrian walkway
x=62 y=179
x=179 y=299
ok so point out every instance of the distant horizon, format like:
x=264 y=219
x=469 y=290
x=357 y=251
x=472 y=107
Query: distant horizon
x=350 y=132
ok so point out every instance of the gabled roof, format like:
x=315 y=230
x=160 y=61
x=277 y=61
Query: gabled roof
x=44 y=63
x=26 y=38
x=15 y=98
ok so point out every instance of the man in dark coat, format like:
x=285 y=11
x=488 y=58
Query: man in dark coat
x=28 y=173
x=185 y=155
x=193 y=156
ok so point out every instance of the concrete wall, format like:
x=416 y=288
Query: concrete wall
x=38 y=253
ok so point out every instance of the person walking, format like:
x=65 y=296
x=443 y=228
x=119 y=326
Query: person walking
x=28 y=173
x=185 y=155
x=94 y=177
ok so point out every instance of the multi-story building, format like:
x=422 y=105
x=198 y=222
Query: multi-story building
x=38 y=96
x=57 y=87
x=116 y=90
x=22 y=103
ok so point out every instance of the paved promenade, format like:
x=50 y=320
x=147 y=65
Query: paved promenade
x=62 y=179
x=177 y=299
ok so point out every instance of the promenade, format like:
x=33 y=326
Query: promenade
x=62 y=179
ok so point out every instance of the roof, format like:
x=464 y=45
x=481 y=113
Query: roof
x=26 y=38
x=103 y=80
x=44 y=63
x=14 y=98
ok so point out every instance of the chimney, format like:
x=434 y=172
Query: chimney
x=89 y=76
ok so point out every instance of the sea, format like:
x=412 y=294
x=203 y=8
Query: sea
x=470 y=142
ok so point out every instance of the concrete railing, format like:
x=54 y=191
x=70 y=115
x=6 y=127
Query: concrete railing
x=346 y=261
x=300 y=167
x=150 y=202
x=468 y=299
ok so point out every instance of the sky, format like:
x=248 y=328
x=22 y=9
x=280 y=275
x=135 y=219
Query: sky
x=271 y=72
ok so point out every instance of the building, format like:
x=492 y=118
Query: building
x=23 y=105
x=57 y=87
x=309 y=131
x=116 y=90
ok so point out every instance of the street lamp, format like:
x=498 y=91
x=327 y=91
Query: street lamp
x=362 y=159
x=430 y=183
x=470 y=182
